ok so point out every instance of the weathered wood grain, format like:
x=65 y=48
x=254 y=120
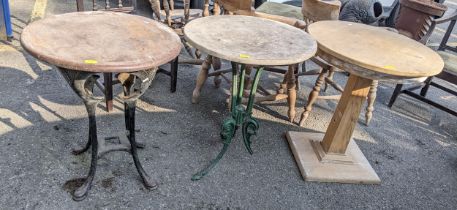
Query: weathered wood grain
x=250 y=40
x=375 y=50
x=101 y=42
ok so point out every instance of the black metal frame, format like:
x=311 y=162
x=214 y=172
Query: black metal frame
x=134 y=86
x=173 y=73
x=445 y=75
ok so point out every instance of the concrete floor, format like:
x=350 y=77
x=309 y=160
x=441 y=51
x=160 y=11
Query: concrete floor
x=412 y=147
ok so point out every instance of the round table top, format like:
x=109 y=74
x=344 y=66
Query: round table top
x=384 y=53
x=250 y=40
x=101 y=42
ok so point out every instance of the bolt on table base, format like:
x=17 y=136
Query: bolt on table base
x=135 y=84
x=240 y=116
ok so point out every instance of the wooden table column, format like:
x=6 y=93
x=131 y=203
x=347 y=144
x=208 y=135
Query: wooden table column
x=333 y=156
x=346 y=115
x=368 y=53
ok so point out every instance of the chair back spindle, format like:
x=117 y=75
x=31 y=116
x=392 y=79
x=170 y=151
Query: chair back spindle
x=96 y=6
x=168 y=8
x=107 y=6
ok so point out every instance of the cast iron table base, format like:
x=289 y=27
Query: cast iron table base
x=135 y=84
x=240 y=116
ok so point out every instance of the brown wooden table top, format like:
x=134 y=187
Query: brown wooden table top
x=250 y=40
x=376 y=49
x=101 y=42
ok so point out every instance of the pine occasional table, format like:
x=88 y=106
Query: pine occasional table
x=84 y=44
x=246 y=40
x=368 y=53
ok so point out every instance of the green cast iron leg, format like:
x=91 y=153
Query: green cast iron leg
x=234 y=85
x=228 y=127
x=241 y=86
x=250 y=125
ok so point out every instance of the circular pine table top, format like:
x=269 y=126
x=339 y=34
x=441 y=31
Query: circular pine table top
x=374 y=52
x=101 y=42
x=250 y=40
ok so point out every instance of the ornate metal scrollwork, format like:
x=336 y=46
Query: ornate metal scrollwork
x=241 y=116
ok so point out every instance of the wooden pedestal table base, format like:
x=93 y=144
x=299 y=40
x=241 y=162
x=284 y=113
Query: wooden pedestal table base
x=368 y=53
x=333 y=156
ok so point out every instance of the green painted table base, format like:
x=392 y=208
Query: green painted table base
x=241 y=116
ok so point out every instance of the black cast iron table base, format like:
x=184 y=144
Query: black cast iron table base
x=134 y=84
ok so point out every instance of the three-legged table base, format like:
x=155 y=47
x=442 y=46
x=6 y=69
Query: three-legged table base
x=241 y=116
x=134 y=86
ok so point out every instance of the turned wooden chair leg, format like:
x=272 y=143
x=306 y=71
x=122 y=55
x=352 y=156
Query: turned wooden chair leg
x=197 y=54
x=155 y=6
x=216 y=63
x=297 y=81
x=313 y=96
x=371 y=99
x=201 y=78
x=283 y=86
x=166 y=7
x=108 y=83
x=291 y=91
x=330 y=75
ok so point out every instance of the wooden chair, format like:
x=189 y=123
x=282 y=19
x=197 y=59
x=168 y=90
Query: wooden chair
x=449 y=73
x=108 y=6
x=114 y=6
x=176 y=19
x=241 y=7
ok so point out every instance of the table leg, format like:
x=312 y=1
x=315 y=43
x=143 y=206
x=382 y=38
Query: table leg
x=131 y=96
x=371 y=100
x=201 y=78
x=174 y=74
x=108 y=83
x=291 y=92
x=83 y=83
x=240 y=117
x=334 y=156
x=81 y=192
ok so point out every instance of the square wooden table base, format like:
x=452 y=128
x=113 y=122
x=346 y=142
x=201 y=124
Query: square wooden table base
x=316 y=165
x=334 y=156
